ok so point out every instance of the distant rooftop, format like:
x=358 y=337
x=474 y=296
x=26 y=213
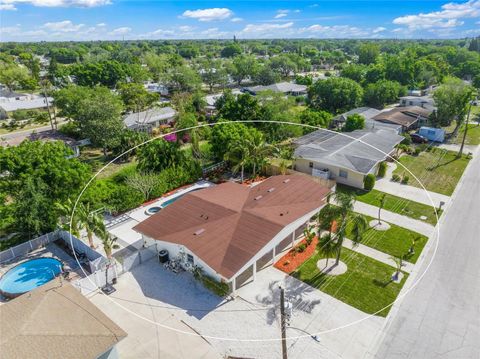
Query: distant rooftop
x=282 y=87
x=149 y=116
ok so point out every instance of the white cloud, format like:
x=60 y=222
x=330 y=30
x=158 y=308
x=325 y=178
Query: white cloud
x=213 y=14
x=314 y=5
x=62 y=26
x=379 y=29
x=336 y=31
x=7 y=7
x=10 y=4
x=120 y=31
x=236 y=19
x=265 y=28
x=448 y=17
x=186 y=28
x=281 y=13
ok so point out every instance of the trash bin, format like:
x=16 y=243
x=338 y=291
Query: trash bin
x=163 y=256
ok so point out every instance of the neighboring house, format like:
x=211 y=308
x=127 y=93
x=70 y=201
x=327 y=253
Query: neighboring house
x=55 y=321
x=146 y=121
x=287 y=88
x=211 y=101
x=409 y=117
x=156 y=87
x=432 y=134
x=368 y=113
x=233 y=231
x=346 y=158
x=426 y=102
x=12 y=101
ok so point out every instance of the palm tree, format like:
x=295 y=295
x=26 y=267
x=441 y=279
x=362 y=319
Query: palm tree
x=108 y=243
x=67 y=216
x=238 y=155
x=398 y=266
x=382 y=200
x=327 y=246
x=92 y=223
x=259 y=150
x=343 y=213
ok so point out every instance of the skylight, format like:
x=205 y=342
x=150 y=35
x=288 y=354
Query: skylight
x=258 y=198
x=199 y=232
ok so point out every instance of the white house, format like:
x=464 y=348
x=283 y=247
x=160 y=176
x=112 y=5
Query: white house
x=346 y=158
x=232 y=231
x=147 y=120
x=12 y=101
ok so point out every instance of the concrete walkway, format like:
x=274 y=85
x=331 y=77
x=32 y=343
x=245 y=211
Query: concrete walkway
x=398 y=219
x=408 y=192
x=377 y=255
x=455 y=147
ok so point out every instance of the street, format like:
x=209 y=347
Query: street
x=440 y=317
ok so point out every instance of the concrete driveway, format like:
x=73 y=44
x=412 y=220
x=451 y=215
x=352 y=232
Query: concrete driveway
x=247 y=326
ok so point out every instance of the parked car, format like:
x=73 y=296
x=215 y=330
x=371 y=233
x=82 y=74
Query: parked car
x=416 y=138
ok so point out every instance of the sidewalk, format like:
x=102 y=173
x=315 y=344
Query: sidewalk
x=377 y=255
x=398 y=219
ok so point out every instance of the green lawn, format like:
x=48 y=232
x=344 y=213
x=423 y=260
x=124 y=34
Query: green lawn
x=394 y=204
x=395 y=241
x=366 y=285
x=473 y=135
x=438 y=170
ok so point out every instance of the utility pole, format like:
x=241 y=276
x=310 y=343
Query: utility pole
x=283 y=323
x=465 y=132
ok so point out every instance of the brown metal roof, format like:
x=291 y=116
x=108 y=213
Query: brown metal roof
x=405 y=116
x=237 y=221
x=55 y=321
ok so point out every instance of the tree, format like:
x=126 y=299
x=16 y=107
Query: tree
x=159 y=155
x=91 y=221
x=68 y=220
x=382 y=93
x=183 y=79
x=238 y=155
x=315 y=118
x=354 y=122
x=135 y=97
x=283 y=64
x=381 y=203
x=335 y=95
x=452 y=99
x=258 y=150
x=354 y=72
x=368 y=53
x=243 y=67
x=266 y=76
x=142 y=182
x=226 y=133
x=231 y=50
x=346 y=215
x=184 y=124
x=243 y=107
x=12 y=75
x=327 y=246
x=214 y=74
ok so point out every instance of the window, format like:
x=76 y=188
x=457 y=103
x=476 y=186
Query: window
x=310 y=165
x=189 y=258
x=343 y=174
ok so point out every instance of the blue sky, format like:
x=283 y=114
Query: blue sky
x=55 y=20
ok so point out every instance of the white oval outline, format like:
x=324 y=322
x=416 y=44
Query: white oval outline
x=400 y=296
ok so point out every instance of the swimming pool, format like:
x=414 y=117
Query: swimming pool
x=29 y=275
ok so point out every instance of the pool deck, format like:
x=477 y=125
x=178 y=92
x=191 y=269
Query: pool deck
x=51 y=250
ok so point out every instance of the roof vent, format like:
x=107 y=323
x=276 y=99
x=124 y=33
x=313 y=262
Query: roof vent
x=199 y=232
x=271 y=189
x=258 y=198
x=286 y=180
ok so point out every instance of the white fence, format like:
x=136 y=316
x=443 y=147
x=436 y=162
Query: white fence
x=91 y=283
x=27 y=247
x=128 y=258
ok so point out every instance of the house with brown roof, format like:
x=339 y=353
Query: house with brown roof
x=409 y=117
x=232 y=231
x=55 y=321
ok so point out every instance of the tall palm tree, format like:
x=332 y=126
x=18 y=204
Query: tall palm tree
x=108 y=243
x=259 y=150
x=67 y=215
x=327 y=246
x=381 y=203
x=238 y=155
x=343 y=213
x=92 y=223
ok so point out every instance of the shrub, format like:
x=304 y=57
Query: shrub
x=308 y=241
x=382 y=169
x=301 y=248
x=405 y=179
x=369 y=182
x=395 y=178
x=417 y=151
x=407 y=140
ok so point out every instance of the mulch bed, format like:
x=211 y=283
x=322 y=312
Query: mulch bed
x=292 y=260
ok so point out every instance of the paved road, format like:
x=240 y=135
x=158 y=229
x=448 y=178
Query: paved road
x=440 y=318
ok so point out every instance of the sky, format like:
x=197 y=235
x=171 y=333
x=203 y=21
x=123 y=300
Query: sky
x=58 y=20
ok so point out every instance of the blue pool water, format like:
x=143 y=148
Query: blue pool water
x=30 y=275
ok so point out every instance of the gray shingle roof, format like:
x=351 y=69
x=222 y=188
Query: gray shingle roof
x=149 y=116
x=350 y=150
x=283 y=87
